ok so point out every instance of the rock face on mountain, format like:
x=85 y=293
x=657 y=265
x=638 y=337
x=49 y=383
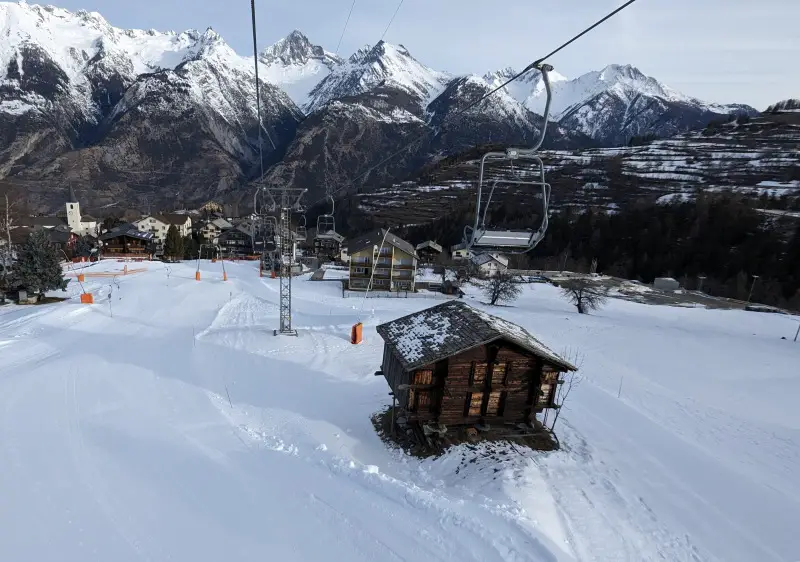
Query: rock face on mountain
x=121 y=115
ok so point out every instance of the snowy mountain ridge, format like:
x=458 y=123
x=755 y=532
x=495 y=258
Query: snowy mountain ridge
x=382 y=65
x=71 y=83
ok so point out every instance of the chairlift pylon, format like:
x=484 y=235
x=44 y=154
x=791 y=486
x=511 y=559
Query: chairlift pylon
x=528 y=173
x=326 y=224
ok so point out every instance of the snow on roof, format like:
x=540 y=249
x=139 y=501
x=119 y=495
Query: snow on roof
x=222 y=223
x=429 y=244
x=450 y=328
x=481 y=259
x=411 y=338
x=376 y=237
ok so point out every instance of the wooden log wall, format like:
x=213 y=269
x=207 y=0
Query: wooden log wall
x=498 y=386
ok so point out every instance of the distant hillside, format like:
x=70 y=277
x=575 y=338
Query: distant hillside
x=758 y=158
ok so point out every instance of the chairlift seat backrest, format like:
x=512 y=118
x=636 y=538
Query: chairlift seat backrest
x=326 y=227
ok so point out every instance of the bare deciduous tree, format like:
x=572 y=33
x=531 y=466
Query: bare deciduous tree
x=10 y=207
x=572 y=379
x=445 y=267
x=584 y=294
x=503 y=287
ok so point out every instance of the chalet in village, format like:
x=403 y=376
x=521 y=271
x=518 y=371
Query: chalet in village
x=454 y=365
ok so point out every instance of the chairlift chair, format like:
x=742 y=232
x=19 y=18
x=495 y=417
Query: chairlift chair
x=326 y=225
x=301 y=232
x=527 y=174
x=270 y=231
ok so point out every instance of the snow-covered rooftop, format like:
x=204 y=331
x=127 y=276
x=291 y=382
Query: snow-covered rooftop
x=432 y=334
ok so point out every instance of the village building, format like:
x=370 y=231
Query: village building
x=61 y=237
x=69 y=219
x=329 y=247
x=489 y=265
x=209 y=231
x=429 y=251
x=453 y=365
x=394 y=264
x=237 y=241
x=460 y=252
x=127 y=240
x=158 y=225
x=79 y=224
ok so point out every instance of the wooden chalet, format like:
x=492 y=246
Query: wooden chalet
x=237 y=241
x=127 y=240
x=429 y=251
x=454 y=365
x=60 y=236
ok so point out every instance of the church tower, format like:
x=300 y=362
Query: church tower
x=73 y=212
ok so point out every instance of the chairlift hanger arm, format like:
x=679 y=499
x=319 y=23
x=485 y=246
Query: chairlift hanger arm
x=524 y=241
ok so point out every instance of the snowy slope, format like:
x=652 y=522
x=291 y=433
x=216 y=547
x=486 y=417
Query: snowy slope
x=166 y=422
x=384 y=65
x=528 y=89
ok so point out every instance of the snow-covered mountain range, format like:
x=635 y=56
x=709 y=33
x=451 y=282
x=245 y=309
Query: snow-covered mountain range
x=86 y=102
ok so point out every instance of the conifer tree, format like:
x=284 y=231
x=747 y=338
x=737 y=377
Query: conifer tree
x=173 y=244
x=38 y=266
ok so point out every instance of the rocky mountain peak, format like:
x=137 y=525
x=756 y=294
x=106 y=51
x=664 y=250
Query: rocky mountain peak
x=296 y=49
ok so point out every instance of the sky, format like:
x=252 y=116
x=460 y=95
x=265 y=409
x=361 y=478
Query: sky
x=726 y=51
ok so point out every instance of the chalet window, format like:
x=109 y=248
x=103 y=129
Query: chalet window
x=423 y=377
x=419 y=400
x=474 y=403
x=547 y=388
x=495 y=405
x=499 y=374
x=493 y=389
x=477 y=375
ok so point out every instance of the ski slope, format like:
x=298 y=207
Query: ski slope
x=168 y=423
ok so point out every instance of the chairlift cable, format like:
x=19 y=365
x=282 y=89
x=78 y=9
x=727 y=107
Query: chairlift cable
x=385 y=31
x=527 y=69
x=347 y=21
x=581 y=34
x=258 y=91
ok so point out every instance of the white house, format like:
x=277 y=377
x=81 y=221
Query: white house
x=490 y=265
x=77 y=223
x=211 y=230
x=460 y=252
x=159 y=225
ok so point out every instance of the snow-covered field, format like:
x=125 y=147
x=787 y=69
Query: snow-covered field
x=172 y=425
